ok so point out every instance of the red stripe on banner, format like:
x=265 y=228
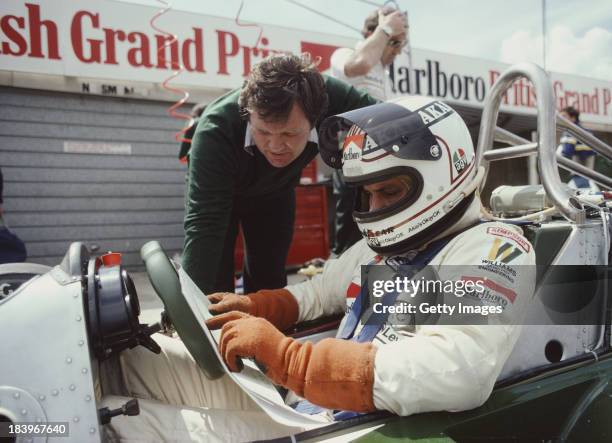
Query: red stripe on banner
x=353 y=291
x=323 y=52
x=508 y=293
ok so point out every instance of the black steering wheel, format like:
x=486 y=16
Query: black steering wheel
x=183 y=309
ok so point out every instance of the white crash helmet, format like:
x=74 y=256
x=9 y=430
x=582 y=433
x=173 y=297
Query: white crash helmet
x=418 y=137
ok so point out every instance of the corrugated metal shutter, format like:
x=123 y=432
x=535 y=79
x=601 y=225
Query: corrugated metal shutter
x=115 y=201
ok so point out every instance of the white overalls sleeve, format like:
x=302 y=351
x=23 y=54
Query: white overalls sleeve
x=454 y=367
x=325 y=293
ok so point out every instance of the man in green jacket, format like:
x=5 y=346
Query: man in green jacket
x=246 y=159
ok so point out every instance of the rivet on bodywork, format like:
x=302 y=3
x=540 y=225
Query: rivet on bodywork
x=92 y=430
x=81 y=343
x=68 y=360
x=54 y=392
x=88 y=398
x=24 y=412
x=84 y=371
x=72 y=387
x=16 y=395
x=78 y=318
x=41 y=397
x=76 y=419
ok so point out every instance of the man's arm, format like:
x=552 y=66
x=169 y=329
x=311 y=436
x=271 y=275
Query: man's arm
x=209 y=203
x=344 y=97
x=367 y=55
x=325 y=293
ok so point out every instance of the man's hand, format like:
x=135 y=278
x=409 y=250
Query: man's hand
x=278 y=306
x=335 y=374
x=244 y=336
x=228 y=301
x=396 y=21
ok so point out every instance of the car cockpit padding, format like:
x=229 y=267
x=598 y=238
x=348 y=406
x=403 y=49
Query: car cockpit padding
x=166 y=282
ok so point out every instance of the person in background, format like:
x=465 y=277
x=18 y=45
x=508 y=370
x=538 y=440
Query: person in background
x=12 y=249
x=195 y=114
x=573 y=149
x=247 y=155
x=366 y=68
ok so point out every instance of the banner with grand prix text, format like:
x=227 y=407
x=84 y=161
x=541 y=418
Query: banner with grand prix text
x=110 y=40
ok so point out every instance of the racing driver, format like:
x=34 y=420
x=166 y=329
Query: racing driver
x=413 y=165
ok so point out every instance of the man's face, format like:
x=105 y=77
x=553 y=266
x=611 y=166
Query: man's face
x=281 y=142
x=393 y=48
x=387 y=192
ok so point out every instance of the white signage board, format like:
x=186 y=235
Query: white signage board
x=114 y=41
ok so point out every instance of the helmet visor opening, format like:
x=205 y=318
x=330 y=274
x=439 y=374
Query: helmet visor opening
x=386 y=196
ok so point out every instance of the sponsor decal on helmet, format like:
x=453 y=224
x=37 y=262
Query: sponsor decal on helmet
x=369 y=233
x=460 y=160
x=352 y=146
x=351 y=154
x=373 y=241
x=424 y=221
x=371 y=150
x=354 y=143
x=377 y=241
x=434 y=112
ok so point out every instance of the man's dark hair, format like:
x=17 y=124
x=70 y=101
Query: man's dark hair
x=279 y=81
x=572 y=112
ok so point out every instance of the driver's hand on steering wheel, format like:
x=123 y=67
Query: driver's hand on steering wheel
x=278 y=306
x=227 y=301
x=245 y=336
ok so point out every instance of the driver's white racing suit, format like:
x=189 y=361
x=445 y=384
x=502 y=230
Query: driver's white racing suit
x=417 y=368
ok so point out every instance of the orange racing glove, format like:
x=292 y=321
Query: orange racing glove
x=333 y=373
x=278 y=306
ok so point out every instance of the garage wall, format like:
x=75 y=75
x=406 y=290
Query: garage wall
x=111 y=201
